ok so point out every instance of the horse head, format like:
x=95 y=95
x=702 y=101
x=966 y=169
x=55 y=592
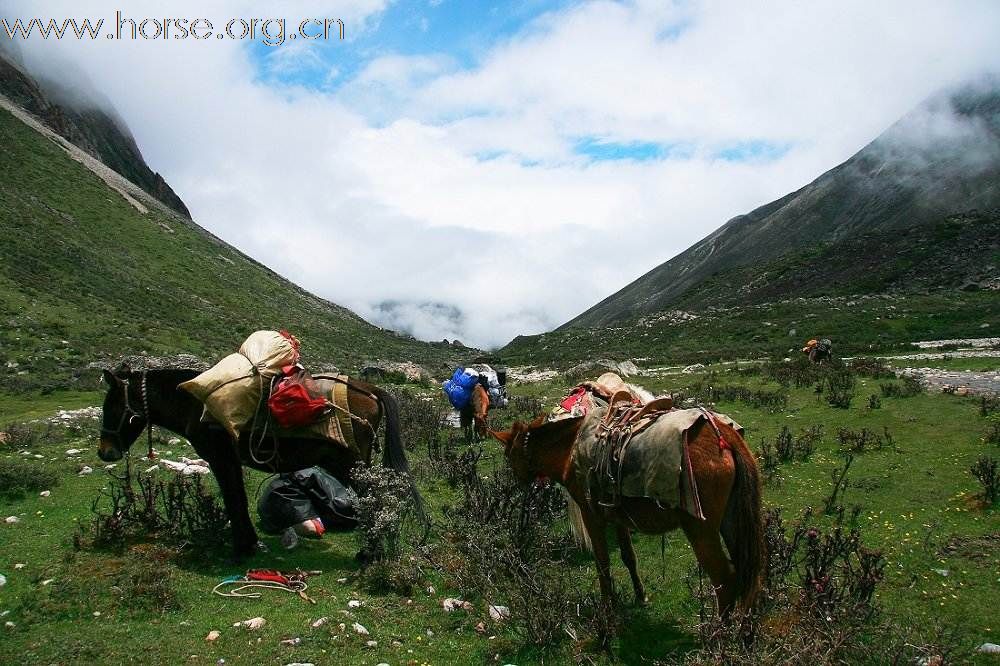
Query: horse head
x=540 y=449
x=125 y=414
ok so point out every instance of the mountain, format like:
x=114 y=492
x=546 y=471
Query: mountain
x=940 y=159
x=83 y=117
x=93 y=268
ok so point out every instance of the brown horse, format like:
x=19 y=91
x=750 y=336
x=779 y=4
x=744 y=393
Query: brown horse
x=728 y=484
x=136 y=401
x=475 y=413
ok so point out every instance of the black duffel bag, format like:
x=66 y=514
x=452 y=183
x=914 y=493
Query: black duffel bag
x=291 y=499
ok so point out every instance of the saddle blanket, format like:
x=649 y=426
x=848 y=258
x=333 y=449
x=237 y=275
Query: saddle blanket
x=655 y=464
x=336 y=424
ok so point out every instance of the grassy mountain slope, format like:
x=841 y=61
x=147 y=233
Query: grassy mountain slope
x=86 y=124
x=874 y=292
x=85 y=276
x=942 y=158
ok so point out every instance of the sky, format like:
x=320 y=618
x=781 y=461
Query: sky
x=473 y=170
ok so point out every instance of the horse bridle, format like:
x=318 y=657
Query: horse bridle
x=129 y=416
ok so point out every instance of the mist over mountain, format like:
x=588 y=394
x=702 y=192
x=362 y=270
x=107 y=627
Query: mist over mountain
x=77 y=111
x=941 y=158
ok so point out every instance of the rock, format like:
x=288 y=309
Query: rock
x=213 y=635
x=381 y=370
x=47 y=581
x=85 y=470
x=10 y=520
x=962 y=391
x=792 y=333
x=252 y=624
x=942 y=572
x=623 y=368
x=693 y=368
x=430 y=634
x=110 y=466
x=3 y=580
x=291 y=642
x=451 y=605
x=359 y=629
x=97 y=613
x=481 y=628
x=9 y=625
x=45 y=493
x=499 y=613
x=74 y=452
x=19 y=565
x=289 y=539
x=371 y=645
x=320 y=622
x=354 y=603
x=988 y=648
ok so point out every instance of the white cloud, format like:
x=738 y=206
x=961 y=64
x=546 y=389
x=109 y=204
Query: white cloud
x=421 y=183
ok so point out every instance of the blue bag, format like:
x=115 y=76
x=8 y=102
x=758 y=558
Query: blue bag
x=459 y=388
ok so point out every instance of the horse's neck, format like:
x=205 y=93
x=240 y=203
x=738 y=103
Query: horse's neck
x=170 y=407
x=554 y=455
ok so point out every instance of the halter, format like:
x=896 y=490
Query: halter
x=129 y=416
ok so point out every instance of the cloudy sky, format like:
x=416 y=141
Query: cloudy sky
x=477 y=170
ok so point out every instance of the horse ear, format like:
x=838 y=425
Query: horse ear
x=504 y=438
x=110 y=379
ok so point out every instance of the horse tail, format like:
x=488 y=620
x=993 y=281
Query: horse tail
x=743 y=525
x=393 y=453
x=576 y=526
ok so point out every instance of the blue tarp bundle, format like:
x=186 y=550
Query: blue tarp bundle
x=459 y=387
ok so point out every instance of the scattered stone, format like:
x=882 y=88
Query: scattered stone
x=481 y=628
x=19 y=565
x=354 y=603
x=110 y=466
x=341 y=580
x=431 y=590
x=45 y=493
x=85 y=470
x=10 y=520
x=371 y=645
x=693 y=368
x=97 y=613
x=213 y=635
x=942 y=572
x=451 y=605
x=342 y=626
x=3 y=580
x=430 y=634
x=320 y=622
x=9 y=625
x=499 y=613
x=252 y=624
x=289 y=539
x=988 y=648
x=301 y=663
x=74 y=452
x=291 y=642
x=360 y=629
x=47 y=581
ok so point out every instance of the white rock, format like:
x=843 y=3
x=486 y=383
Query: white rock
x=213 y=635
x=45 y=493
x=289 y=539
x=342 y=626
x=111 y=466
x=252 y=624
x=9 y=625
x=499 y=613
x=97 y=613
x=341 y=580
x=988 y=648
x=354 y=603
x=85 y=470
x=320 y=622
x=47 y=581
x=360 y=629
x=74 y=452
x=10 y=520
x=942 y=572
x=3 y=580
x=431 y=590
x=451 y=605
x=430 y=634
x=371 y=644
x=19 y=565
x=291 y=642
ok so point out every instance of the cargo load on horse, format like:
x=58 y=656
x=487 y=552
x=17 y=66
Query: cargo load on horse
x=266 y=370
x=459 y=388
x=818 y=350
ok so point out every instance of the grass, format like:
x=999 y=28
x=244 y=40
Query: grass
x=918 y=507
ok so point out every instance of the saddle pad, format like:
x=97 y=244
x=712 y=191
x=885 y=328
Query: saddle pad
x=654 y=463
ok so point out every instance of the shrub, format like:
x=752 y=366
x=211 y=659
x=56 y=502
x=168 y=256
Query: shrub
x=180 y=510
x=874 y=402
x=907 y=387
x=992 y=435
x=989 y=404
x=839 y=387
x=421 y=418
x=18 y=477
x=872 y=368
x=384 y=499
x=859 y=441
x=985 y=471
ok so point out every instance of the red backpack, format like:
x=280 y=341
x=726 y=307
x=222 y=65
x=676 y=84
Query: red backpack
x=292 y=405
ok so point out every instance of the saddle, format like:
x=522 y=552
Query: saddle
x=623 y=421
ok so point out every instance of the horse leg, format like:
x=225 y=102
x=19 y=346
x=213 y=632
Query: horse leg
x=228 y=471
x=628 y=557
x=708 y=549
x=599 y=543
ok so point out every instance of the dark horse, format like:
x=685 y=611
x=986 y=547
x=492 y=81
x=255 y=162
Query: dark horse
x=136 y=401
x=472 y=417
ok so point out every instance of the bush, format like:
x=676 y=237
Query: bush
x=180 y=510
x=874 y=402
x=872 y=368
x=907 y=387
x=985 y=471
x=18 y=477
x=988 y=404
x=839 y=387
x=992 y=434
x=854 y=441
x=384 y=499
x=421 y=418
